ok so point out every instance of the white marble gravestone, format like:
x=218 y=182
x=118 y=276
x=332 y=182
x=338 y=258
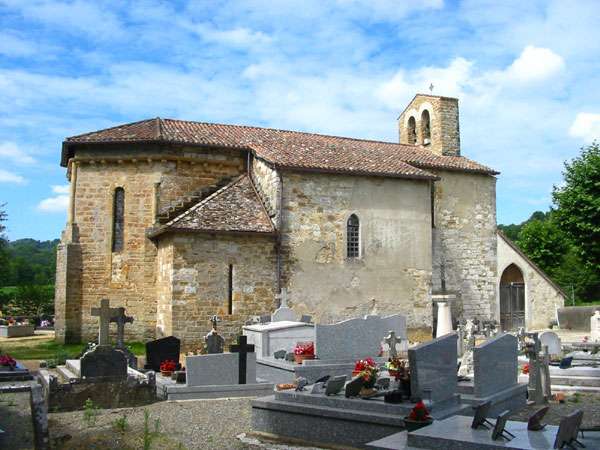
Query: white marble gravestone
x=595 y=326
x=551 y=339
x=218 y=369
x=283 y=335
x=283 y=313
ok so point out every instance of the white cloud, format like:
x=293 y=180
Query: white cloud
x=57 y=203
x=586 y=126
x=11 y=151
x=236 y=37
x=535 y=64
x=9 y=177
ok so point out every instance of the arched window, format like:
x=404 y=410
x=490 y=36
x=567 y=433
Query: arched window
x=425 y=127
x=353 y=236
x=118 y=219
x=412 y=130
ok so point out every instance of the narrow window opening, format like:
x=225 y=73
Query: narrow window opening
x=432 y=205
x=412 y=130
x=118 y=220
x=353 y=237
x=230 y=291
x=426 y=127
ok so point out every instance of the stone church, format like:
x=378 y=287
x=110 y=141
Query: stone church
x=178 y=220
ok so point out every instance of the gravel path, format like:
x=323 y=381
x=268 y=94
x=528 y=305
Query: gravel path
x=194 y=424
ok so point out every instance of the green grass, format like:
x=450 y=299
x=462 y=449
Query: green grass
x=49 y=349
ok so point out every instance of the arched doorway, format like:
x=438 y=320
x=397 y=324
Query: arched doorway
x=512 y=298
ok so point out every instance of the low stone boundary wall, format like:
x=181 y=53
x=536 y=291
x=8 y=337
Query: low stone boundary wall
x=576 y=318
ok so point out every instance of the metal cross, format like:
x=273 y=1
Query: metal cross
x=106 y=313
x=431 y=86
x=242 y=348
x=214 y=320
x=121 y=319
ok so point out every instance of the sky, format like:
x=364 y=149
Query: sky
x=525 y=73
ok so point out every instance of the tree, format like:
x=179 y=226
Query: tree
x=544 y=243
x=578 y=204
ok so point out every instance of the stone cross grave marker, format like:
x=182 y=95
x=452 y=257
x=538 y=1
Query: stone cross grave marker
x=242 y=348
x=284 y=312
x=534 y=387
x=106 y=313
x=121 y=319
x=391 y=340
x=214 y=342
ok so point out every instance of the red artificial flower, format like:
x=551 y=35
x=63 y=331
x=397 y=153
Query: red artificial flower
x=168 y=366
x=304 y=348
x=525 y=369
x=6 y=360
x=419 y=412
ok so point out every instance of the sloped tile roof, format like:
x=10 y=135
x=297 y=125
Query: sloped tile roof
x=287 y=149
x=235 y=208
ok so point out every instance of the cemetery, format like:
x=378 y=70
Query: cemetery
x=359 y=383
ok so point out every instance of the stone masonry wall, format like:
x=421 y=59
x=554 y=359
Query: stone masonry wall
x=128 y=278
x=393 y=274
x=464 y=240
x=266 y=180
x=200 y=283
x=444 y=123
x=67 y=293
x=541 y=297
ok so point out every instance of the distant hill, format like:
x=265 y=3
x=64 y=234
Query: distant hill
x=30 y=262
x=513 y=230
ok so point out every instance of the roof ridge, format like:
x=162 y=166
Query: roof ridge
x=111 y=128
x=258 y=196
x=293 y=131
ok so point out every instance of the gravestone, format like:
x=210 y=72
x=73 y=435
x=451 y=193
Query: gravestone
x=106 y=314
x=283 y=313
x=104 y=362
x=242 y=348
x=214 y=342
x=551 y=339
x=356 y=338
x=595 y=326
x=354 y=387
x=391 y=340
x=535 y=387
x=335 y=385
x=433 y=366
x=219 y=369
x=495 y=365
x=160 y=350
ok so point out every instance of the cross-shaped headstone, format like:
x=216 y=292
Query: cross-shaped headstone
x=214 y=320
x=283 y=298
x=242 y=348
x=391 y=340
x=106 y=313
x=121 y=319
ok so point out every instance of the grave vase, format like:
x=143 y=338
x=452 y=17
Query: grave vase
x=300 y=358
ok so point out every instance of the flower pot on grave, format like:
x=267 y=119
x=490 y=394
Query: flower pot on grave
x=412 y=425
x=300 y=358
x=166 y=373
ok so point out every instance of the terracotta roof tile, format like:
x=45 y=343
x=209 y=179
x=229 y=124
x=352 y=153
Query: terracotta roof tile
x=235 y=208
x=288 y=149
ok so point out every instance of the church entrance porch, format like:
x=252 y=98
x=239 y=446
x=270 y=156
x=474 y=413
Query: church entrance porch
x=512 y=299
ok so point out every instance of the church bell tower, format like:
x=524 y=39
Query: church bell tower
x=432 y=122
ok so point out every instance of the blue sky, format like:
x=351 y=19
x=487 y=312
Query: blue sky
x=526 y=74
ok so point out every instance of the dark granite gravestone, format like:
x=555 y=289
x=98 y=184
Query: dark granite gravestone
x=480 y=416
x=353 y=388
x=568 y=429
x=535 y=421
x=160 y=350
x=17 y=373
x=104 y=362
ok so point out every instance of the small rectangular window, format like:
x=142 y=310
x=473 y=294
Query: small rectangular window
x=118 y=220
x=353 y=237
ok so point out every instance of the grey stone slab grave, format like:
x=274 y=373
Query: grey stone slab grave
x=218 y=369
x=551 y=339
x=159 y=350
x=104 y=362
x=356 y=338
x=214 y=342
x=433 y=366
x=495 y=365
